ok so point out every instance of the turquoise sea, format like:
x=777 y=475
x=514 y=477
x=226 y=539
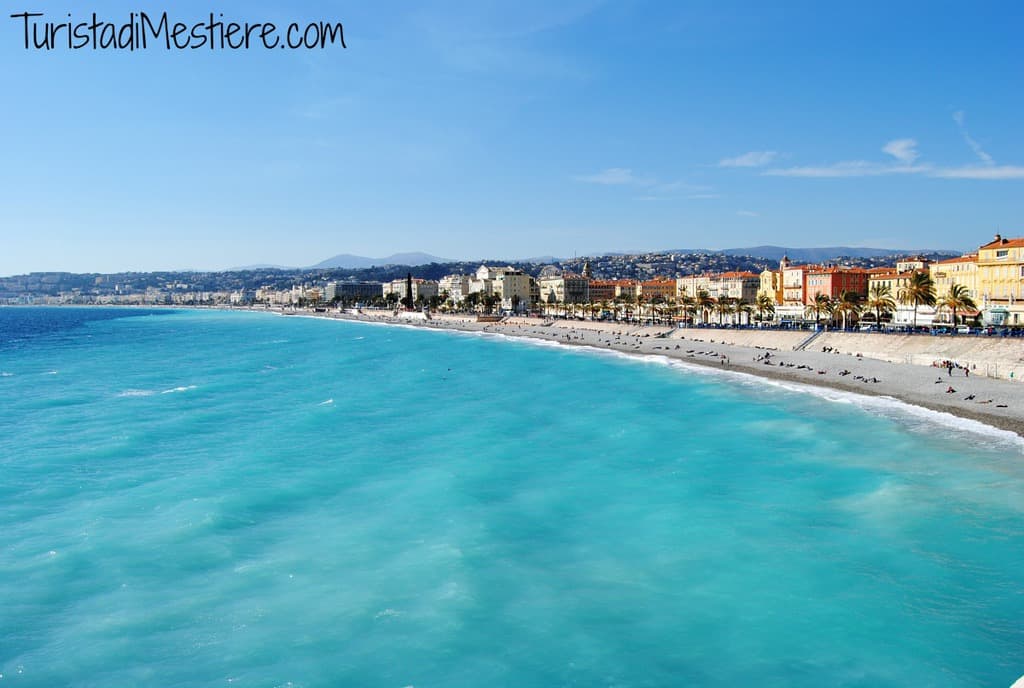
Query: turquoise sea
x=241 y=499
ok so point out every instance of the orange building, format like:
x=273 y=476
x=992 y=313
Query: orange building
x=658 y=287
x=833 y=281
x=609 y=290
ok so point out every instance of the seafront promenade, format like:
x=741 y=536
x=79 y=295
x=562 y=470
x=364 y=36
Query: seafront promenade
x=875 y=365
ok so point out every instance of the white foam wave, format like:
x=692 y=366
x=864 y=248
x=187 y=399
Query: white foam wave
x=326 y=403
x=6 y=374
x=50 y=372
x=881 y=405
x=178 y=389
x=136 y=393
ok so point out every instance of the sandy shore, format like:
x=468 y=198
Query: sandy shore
x=995 y=402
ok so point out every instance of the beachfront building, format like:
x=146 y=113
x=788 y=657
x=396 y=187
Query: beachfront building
x=691 y=285
x=616 y=290
x=912 y=263
x=890 y=278
x=794 y=292
x=563 y=287
x=956 y=272
x=515 y=289
x=834 y=280
x=422 y=290
x=906 y=314
x=601 y=290
x=352 y=291
x=738 y=286
x=662 y=289
x=455 y=286
x=1000 y=280
x=483 y=281
x=771 y=285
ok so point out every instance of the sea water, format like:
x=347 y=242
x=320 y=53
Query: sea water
x=235 y=499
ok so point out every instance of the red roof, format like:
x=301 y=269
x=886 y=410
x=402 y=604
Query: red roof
x=1000 y=242
x=969 y=258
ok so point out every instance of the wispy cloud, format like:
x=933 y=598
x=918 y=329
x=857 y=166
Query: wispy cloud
x=703 y=196
x=751 y=159
x=979 y=172
x=612 y=176
x=906 y=163
x=653 y=188
x=849 y=168
x=904 y=150
x=681 y=186
x=961 y=123
x=747 y=213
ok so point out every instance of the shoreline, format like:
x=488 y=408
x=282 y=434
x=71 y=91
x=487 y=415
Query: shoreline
x=992 y=402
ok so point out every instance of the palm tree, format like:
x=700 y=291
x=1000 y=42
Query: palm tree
x=743 y=311
x=958 y=298
x=765 y=304
x=848 y=304
x=723 y=308
x=687 y=306
x=880 y=301
x=920 y=289
x=821 y=304
x=704 y=304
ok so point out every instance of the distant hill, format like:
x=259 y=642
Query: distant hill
x=350 y=262
x=824 y=253
x=260 y=266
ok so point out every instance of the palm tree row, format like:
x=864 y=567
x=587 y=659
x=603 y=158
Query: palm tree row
x=846 y=308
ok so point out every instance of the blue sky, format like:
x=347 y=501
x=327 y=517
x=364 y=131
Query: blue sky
x=515 y=129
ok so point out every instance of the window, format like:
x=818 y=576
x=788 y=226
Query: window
x=1002 y=253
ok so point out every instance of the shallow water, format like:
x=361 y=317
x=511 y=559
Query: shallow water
x=205 y=498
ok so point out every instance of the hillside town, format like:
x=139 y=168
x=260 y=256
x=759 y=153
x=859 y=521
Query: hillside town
x=984 y=288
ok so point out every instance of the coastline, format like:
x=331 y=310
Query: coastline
x=993 y=402
x=997 y=403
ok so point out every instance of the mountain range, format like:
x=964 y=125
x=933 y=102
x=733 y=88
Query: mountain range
x=797 y=255
x=350 y=262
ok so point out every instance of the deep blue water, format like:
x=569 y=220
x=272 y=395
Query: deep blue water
x=210 y=499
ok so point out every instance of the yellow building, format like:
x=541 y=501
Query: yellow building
x=662 y=288
x=771 y=285
x=962 y=271
x=1000 y=278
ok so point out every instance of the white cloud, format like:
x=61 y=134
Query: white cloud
x=976 y=172
x=671 y=187
x=747 y=213
x=903 y=150
x=850 y=168
x=961 y=123
x=751 y=159
x=611 y=176
x=703 y=196
x=906 y=155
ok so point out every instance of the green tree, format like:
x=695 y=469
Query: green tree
x=847 y=305
x=880 y=301
x=919 y=289
x=821 y=304
x=765 y=304
x=704 y=304
x=957 y=299
x=723 y=307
